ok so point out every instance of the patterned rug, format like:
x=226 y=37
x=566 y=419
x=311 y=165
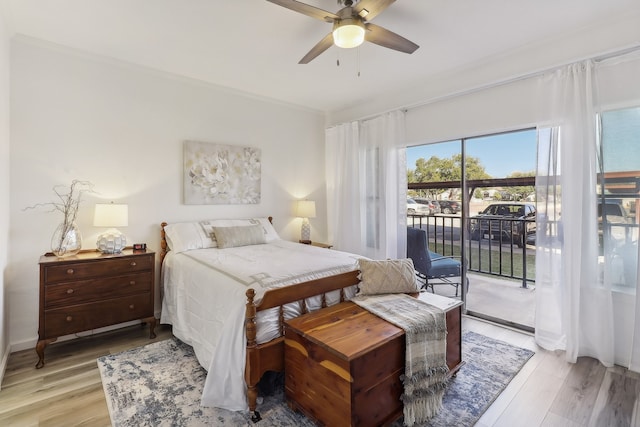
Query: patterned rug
x=160 y=385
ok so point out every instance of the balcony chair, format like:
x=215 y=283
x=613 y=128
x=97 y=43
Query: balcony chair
x=431 y=267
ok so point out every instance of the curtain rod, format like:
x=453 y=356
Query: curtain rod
x=597 y=58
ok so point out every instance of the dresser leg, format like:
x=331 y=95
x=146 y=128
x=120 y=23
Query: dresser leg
x=152 y=326
x=40 y=346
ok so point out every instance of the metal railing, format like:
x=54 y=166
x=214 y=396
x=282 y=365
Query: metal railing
x=499 y=248
x=488 y=254
x=495 y=249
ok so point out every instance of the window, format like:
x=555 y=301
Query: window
x=619 y=195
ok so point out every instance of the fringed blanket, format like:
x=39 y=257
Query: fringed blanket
x=426 y=368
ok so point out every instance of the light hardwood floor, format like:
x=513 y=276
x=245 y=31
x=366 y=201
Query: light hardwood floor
x=547 y=392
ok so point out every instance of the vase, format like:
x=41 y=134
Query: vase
x=66 y=240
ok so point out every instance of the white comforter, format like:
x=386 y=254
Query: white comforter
x=204 y=300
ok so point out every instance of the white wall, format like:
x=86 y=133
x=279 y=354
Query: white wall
x=4 y=193
x=122 y=127
x=605 y=37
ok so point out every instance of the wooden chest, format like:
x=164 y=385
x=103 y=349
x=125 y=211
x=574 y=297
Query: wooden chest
x=343 y=366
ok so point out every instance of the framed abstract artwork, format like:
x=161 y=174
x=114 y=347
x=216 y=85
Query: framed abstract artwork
x=217 y=174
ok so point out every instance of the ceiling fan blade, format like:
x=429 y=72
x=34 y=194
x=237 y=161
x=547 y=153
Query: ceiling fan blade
x=369 y=9
x=383 y=37
x=306 y=9
x=322 y=45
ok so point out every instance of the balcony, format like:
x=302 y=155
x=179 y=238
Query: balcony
x=501 y=274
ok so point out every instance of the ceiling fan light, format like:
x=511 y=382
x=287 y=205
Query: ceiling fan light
x=348 y=33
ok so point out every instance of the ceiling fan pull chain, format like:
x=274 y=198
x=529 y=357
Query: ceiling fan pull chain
x=358 y=59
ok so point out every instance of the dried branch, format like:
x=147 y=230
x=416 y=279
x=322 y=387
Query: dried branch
x=67 y=203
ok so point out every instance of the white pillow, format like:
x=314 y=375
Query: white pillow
x=186 y=236
x=244 y=235
x=393 y=276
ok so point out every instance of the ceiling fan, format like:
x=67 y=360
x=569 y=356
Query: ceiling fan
x=351 y=26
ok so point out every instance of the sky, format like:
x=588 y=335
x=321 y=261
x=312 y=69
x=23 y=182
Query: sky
x=500 y=154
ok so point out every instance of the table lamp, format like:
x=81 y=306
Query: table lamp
x=305 y=209
x=111 y=215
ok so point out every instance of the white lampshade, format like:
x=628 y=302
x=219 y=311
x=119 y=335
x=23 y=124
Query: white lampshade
x=348 y=33
x=111 y=215
x=111 y=241
x=306 y=209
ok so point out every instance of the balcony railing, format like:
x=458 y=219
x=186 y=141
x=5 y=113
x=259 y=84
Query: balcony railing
x=494 y=249
x=493 y=256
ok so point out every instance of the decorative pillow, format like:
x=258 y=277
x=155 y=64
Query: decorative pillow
x=186 y=236
x=230 y=237
x=391 y=276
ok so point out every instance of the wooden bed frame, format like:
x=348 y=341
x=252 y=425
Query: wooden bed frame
x=269 y=356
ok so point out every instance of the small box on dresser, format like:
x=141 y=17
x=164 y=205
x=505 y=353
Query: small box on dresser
x=92 y=290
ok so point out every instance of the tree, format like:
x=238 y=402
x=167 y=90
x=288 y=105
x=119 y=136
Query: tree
x=521 y=193
x=436 y=169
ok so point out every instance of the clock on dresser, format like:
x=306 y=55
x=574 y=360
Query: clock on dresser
x=92 y=290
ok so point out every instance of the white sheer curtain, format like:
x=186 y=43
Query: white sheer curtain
x=367 y=185
x=574 y=310
x=617 y=95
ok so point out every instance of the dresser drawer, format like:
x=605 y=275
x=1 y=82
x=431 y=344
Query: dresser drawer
x=108 y=266
x=85 y=291
x=75 y=318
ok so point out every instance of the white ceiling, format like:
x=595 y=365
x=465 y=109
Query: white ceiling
x=254 y=46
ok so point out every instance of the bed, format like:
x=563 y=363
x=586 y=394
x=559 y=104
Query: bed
x=228 y=298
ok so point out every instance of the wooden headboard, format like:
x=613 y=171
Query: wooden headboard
x=164 y=247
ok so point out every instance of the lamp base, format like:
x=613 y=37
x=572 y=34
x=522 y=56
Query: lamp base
x=305 y=232
x=111 y=241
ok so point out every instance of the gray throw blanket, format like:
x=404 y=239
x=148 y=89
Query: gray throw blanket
x=426 y=368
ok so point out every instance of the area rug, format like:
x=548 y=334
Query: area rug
x=160 y=385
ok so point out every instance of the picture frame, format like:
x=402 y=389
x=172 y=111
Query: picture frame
x=219 y=174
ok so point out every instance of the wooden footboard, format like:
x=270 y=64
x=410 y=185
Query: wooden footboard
x=269 y=356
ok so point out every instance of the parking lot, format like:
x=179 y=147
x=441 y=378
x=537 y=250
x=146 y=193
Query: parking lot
x=446 y=227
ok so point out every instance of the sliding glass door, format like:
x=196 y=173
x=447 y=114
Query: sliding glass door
x=489 y=181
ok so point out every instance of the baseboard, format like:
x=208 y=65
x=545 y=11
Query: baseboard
x=31 y=343
x=24 y=345
x=3 y=364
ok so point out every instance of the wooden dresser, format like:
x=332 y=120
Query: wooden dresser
x=343 y=364
x=92 y=290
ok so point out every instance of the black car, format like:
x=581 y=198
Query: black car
x=449 y=206
x=505 y=221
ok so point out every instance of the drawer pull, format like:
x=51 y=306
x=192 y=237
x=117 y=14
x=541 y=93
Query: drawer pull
x=132 y=306
x=133 y=263
x=69 y=291
x=69 y=318
x=70 y=271
x=133 y=282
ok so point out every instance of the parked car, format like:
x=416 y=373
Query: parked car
x=434 y=206
x=449 y=206
x=415 y=208
x=615 y=218
x=510 y=221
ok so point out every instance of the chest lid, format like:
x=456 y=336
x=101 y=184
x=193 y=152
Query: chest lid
x=345 y=329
